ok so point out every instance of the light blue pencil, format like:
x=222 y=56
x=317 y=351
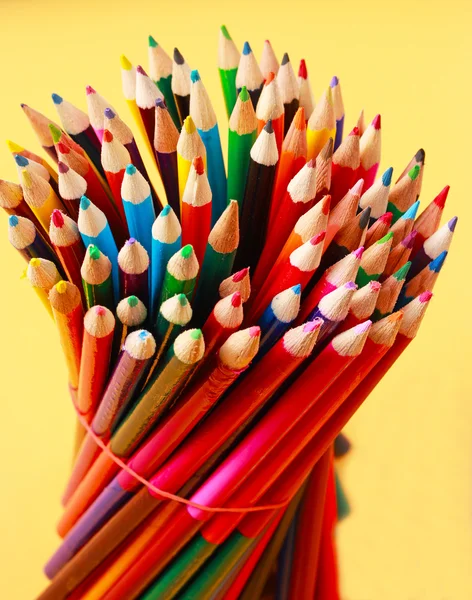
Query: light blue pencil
x=139 y=207
x=166 y=241
x=277 y=317
x=94 y=229
x=204 y=118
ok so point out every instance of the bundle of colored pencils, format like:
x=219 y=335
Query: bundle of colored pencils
x=218 y=340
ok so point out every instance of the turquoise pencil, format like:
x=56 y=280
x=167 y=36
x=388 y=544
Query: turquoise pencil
x=204 y=118
x=138 y=205
x=166 y=241
x=94 y=229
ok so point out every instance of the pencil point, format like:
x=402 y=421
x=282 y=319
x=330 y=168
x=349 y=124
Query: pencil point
x=414 y=172
x=130 y=170
x=160 y=103
x=62 y=167
x=236 y=300
x=187 y=251
x=375 y=285
x=420 y=156
x=13 y=220
x=254 y=331
x=61 y=287
x=178 y=58
x=334 y=81
x=386 y=218
x=326 y=204
x=452 y=224
x=297 y=289
x=355 y=131
x=268 y=127
x=55 y=132
x=94 y=252
x=365 y=216
x=125 y=63
x=244 y=94
x=100 y=311
x=411 y=212
x=441 y=198
x=107 y=136
x=198 y=165
x=402 y=271
x=363 y=327
x=194 y=76
x=436 y=264
x=385 y=238
x=359 y=252
x=56 y=98
x=189 y=125
x=14 y=148
x=376 y=122
x=240 y=275
x=246 y=48
x=425 y=296
x=387 y=177
x=35 y=263
x=310 y=326
x=109 y=114
x=132 y=301
x=225 y=32
x=152 y=42
x=143 y=334
x=302 y=70
x=89 y=90
x=165 y=211
x=196 y=334
x=84 y=203
x=57 y=218
x=350 y=285
x=409 y=241
x=285 y=59
x=356 y=189
x=21 y=161
x=141 y=71
x=62 y=148
x=318 y=238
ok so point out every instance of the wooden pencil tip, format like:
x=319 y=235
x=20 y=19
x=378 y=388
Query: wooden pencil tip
x=141 y=71
x=285 y=59
x=125 y=63
x=299 y=121
x=62 y=148
x=326 y=204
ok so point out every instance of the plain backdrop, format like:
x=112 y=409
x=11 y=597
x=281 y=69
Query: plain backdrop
x=408 y=476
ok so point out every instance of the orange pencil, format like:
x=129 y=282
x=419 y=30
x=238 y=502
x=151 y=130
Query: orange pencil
x=271 y=108
x=40 y=126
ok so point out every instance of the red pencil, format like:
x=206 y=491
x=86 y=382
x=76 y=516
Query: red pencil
x=133 y=265
x=428 y=221
x=346 y=161
x=399 y=255
x=378 y=229
x=67 y=243
x=370 y=147
x=343 y=212
x=238 y=282
x=115 y=158
x=71 y=189
x=196 y=209
x=270 y=107
x=225 y=318
x=147 y=93
x=323 y=170
x=307 y=101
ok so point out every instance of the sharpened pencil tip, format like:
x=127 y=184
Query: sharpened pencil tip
x=359 y=252
x=363 y=327
x=350 y=285
x=297 y=289
x=225 y=32
x=107 y=136
x=375 y=286
x=254 y=331
x=436 y=264
x=13 y=220
x=334 y=81
x=355 y=131
x=376 y=122
x=132 y=301
x=240 y=275
x=285 y=59
x=109 y=114
x=94 y=252
x=198 y=165
x=187 y=251
x=57 y=218
x=312 y=325
x=356 y=189
x=244 y=94
x=302 y=70
x=386 y=218
x=61 y=287
x=189 y=125
x=89 y=90
x=55 y=132
x=62 y=167
x=160 y=103
x=414 y=172
x=152 y=42
x=365 y=216
x=130 y=169
x=56 y=98
x=194 y=76
x=452 y=224
x=441 y=198
x=426 y=296
x=196 y=334
x=84 y=203
x=125 y=63
x=141 y=71
x=100 y=311
x=178 y=58
x=236 y=300
x=165 y=211
x=420 y=156
x=268 y=127
x=246 y=48
x=387 y=177
x=402 y=272
x=21 y=161
x=409 y=241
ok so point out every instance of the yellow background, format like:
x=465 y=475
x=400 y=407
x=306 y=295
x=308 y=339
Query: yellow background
x=408 y=477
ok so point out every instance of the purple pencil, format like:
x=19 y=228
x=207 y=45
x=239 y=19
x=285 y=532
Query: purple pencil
x=23 y=236
x=432 y=248
x=166 y=136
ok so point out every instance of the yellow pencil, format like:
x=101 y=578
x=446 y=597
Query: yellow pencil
x=321 y=125
x=40 y=197
x=43 y=275
x=189 y=146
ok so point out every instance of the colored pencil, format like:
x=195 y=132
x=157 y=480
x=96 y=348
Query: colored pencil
x=138 y=207
x=196 y=215
x=344 y=211
x=268 y=62
x=270 y=107
x=370 y=147
x=67 y=243
x=289 y=90
x=166 y=241
x=189 y=146
x=71 y=189
x=128 y=84
x=298 y=269
x=225 y=318
x=238 y=282
x=131 y=314
x=40 y=125
x=115 y=158
x=96 y=105
x=180 y=274
x=204 y=117
x=96 y=272
x=277 y=317
x=260 y=181
x=40 y=197
x=147 y=93
x=424 y=281
x=418 y=159
x=174 y=314
x=390 y=292
x=399 y=255
x=42 y=275
x=307 y=100
x=23 y=236
x=66 y=304
x=323 y=170
x=13 y=203
x=218 y=260
x=333 y=309
x=403 y=194
x=228 y=61
x=30 y=165
x=76 y=123
x=126 y=377
x=405 y=223
x=432 y=247
x=334 y=277
x=249 y=74
x=338 y=111
x=428 y=221
x=241 y=137
x=181 y=84
x=60 y=136
x=321 y=125
x=292 y=159
x=300 y=194
x=94 y=229
x=17 y=149
x=166 y=137
x=118 y=128
x=99 y=326
x=362 y=305
x=346 y=161
x=374 y=260
x=361 y=122
x=133 y=265
x=342 y=445
x=378 y=228
x=160 y=71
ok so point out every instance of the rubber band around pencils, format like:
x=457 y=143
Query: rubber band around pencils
x=163 y=493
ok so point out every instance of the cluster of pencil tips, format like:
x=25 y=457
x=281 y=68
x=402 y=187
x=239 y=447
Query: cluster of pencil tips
x=216 y=343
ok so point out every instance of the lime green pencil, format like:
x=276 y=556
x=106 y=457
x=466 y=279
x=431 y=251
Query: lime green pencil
x=228 y=61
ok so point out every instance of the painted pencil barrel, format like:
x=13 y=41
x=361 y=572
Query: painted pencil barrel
x=216 y=170
x=239 y=148
x=228 y=85
x=165 y=85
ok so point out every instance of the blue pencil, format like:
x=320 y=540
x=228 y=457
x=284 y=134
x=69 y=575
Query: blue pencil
x=404 y=225
x=166 y=241
x=138 y=205
x=432 y=247
x=94 y=229
x=423 y=282
x=204 y=118
x=277 y=317
x=338 y=111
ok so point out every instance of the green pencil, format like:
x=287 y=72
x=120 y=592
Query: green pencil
x=218 y=260
x=403 y=194
x=181 y=274
x=241 y=137
x=174 y=314
x=97 y=279
x=373 y=260
x=228 y=61
x=160 y=71
x=389 y=293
